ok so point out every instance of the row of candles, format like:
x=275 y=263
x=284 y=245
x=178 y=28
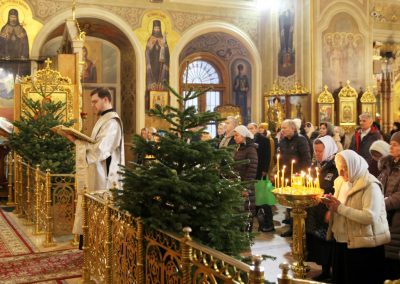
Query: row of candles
x=296 y=181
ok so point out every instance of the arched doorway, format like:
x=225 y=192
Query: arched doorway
x=236 y=36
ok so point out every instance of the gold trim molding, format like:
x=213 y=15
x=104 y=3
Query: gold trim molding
x=325 y=97
x=348 y=91
x=368 y=97
x=49 y=83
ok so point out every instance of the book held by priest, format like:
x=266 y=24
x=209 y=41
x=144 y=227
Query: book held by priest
x=64 y=131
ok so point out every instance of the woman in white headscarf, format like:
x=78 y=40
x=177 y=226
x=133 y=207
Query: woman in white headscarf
x=318 y=249
x=358 y=222
x=246 y=150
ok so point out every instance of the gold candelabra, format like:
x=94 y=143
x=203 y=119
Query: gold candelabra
x=303 y=192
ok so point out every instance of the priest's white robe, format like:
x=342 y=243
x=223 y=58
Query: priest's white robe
x=91 y=167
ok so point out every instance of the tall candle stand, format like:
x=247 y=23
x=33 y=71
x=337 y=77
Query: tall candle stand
x=302 y=194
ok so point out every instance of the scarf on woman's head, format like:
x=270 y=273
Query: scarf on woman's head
x=330 y=147
x=357 y=166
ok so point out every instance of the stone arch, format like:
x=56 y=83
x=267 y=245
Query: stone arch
x=123 y=26
x=215 y=26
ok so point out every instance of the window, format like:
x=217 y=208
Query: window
x=203 y=74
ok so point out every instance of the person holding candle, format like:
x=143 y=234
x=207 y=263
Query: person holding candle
x=318 y=249
x=293 y=146
x=358 y=223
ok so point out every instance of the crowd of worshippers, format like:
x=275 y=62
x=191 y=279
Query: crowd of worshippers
x=354 y=234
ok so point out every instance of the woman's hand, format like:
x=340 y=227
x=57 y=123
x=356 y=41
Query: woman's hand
x=331 y=202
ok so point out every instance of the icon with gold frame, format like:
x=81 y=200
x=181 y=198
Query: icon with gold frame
x=159 y=98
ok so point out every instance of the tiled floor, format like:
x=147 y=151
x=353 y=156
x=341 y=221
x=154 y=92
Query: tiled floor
x=274 y=245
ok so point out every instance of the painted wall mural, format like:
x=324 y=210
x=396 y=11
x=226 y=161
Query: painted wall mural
x=241 y=87
x=17 y=33
x=158 y=40
x=286 y=55
x=343 y=53
x=222 y=45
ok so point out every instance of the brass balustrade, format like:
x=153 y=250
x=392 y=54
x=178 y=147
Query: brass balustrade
x=44 y=200
x=117 y=249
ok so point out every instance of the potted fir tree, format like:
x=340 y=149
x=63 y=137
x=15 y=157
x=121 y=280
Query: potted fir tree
x=36 y=143
x=187 y=181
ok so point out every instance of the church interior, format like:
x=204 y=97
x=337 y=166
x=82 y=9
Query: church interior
x=327 y=64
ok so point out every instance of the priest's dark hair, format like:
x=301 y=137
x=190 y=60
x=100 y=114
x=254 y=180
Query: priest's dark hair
x=102 y=93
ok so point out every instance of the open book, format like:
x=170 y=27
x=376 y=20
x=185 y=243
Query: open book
x=63 y=131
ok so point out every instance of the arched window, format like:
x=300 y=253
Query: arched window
x=202 y=73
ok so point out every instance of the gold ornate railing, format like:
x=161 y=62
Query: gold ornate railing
x=117 y=249
x=44 y=200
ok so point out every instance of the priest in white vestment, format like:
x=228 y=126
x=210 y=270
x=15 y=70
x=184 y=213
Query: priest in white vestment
x=98 y=163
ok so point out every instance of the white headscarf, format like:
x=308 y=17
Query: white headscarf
x=381 y=147
x=242 y=130
x=330 y=147
x=357 y=166
x=6 y=125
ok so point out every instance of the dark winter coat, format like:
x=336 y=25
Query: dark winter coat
x=315 y=215
x=264 y=154
x=319 y=250
x=296 y=148
x=362 y=147
x=390 y=179
x=248 y=172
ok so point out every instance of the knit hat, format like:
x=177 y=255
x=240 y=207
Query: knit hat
x=242 y=130
x=6 y=125
x=381 y=147
x=396 y=137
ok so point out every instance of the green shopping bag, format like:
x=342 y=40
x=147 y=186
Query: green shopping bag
x=264 y=193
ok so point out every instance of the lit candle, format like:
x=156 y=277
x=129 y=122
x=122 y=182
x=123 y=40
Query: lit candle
x=277 y=177
x=286 y=182
x=277 y=161
x=317 y=180
x=283 y=174
x=277 y=165
x=291 y=172
x=276 y=185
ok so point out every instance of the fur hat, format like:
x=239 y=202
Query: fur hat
x=381 y=147
x=242 y=130
x=396 y=137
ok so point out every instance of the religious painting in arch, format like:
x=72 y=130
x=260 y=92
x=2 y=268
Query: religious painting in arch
x=92 y=62
x=286 y=55
x=299 y=107
x=241 y=87
x=18 y=30
x=343 y=53
x=157 y=58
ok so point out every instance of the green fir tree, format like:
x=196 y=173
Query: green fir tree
x=34 y=140
x=187 y=183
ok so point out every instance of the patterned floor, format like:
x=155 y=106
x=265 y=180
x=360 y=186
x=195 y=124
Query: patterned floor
x=39 y=267
x=12 y=240
x=23 y=260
